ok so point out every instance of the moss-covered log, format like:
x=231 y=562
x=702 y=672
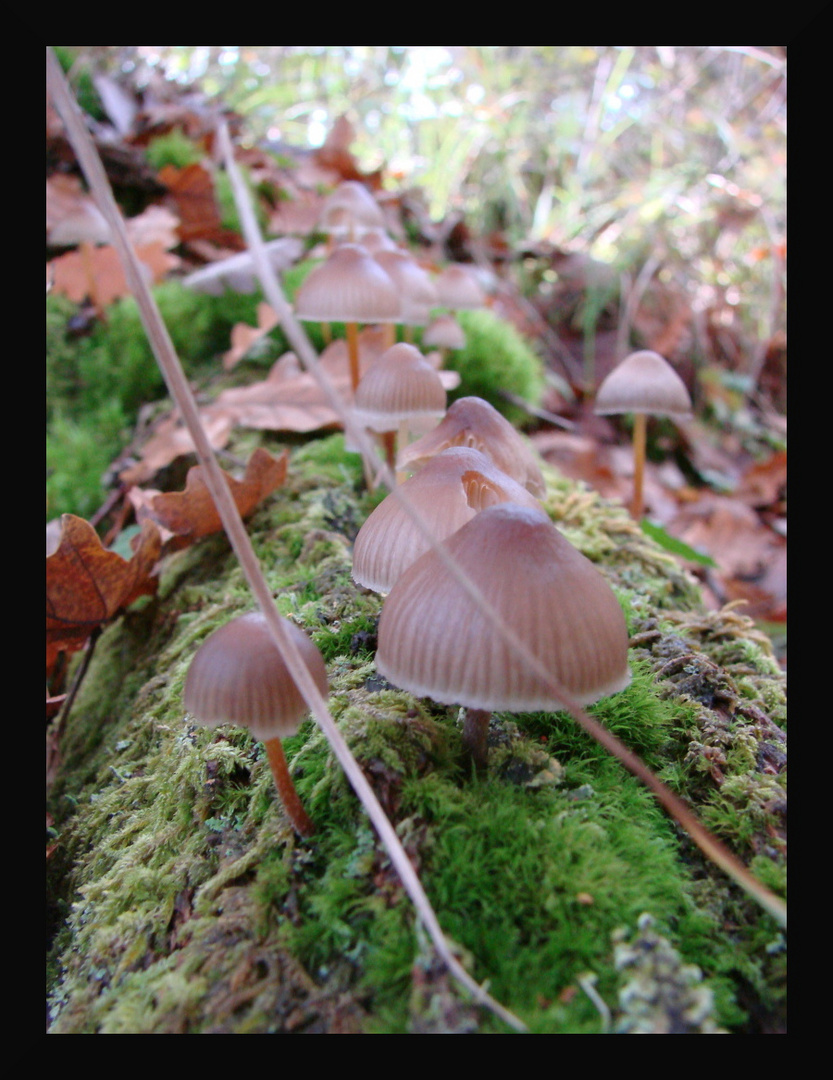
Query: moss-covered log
x=182 y=901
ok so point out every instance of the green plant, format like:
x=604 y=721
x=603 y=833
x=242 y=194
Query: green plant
x=496 y=360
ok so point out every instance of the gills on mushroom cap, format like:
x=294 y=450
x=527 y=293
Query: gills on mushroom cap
x=436 y=642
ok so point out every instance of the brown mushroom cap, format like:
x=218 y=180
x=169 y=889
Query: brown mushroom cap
x=447 y=492
x=644 y=382
x=349 y=287
x=471 y=421
x=238 y=676
x=401 y=387
x=445 y=332
x=416 y=289
x=434 y=641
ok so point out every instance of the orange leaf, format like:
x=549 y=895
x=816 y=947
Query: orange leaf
x=243 y=336
x=96 y=272
x=191 y=514
x=86 y=585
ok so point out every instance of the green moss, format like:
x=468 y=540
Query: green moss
x=173 y=148
x=496 y=360
x=184 y=903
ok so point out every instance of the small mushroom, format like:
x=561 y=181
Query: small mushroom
x=401 y=392
x=471 y=421
x=350 y=287
x=436 y=642
x=643 y=383
x=447 y=492
x=238 y=676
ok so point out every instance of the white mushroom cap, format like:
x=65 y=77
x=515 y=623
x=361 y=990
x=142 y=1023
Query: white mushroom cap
x=471 y=421
x=238 y=676
x=349 y=287
x=434 y=641
x=447 y=492
x=644 y=382
x=350 y=209
x=458 y=287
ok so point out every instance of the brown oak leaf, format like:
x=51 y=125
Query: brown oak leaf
x=191 y=514
x=86 y=585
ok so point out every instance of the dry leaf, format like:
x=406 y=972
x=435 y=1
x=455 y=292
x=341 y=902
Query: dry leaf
x=243 y=336
x=96 y=272
x=191 y=514
x=170 y=440
x=86 y=585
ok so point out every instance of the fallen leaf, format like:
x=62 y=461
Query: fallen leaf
x=243 y=336
x=192 y=190
x=170 y=440
x=86 y=585
x=191 y=514
x=96 y=272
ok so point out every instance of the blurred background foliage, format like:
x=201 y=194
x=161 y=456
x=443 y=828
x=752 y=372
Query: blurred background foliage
x=663 y=156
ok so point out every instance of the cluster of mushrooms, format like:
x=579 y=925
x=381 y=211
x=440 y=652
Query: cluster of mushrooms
x=473 y=484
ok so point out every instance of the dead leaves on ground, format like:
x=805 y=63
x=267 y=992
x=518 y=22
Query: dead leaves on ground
x=743 y=528
x=186 y=516
x=87 y=585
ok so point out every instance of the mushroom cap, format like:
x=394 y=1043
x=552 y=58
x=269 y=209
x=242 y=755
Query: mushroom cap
x=471 y=421
x=458 y=287
x=238 y=676
x=416 y=289
x=349 y=209
x=400 y=387
x=446 y=493
x=349 y=287
x=444 y=332
x=644 y=382
x=434 y=641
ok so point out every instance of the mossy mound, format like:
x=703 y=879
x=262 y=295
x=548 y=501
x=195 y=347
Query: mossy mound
x=181 y=901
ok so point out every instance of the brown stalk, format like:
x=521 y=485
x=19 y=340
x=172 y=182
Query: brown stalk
x=640 y=424
x=286 y=789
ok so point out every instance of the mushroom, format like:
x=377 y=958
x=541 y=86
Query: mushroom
x=445 y=333
x=350 y=210
x=399 y=393
x=416 y=289
x=471 y=421
x=458 y=287
x=436 y=642
x=451 y=488
x=238 y=676
x=349 y=287
x=643 y=383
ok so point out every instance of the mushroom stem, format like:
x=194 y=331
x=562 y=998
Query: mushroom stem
x=286 y=789
x=639 y=440
x=475 y=734
x=353 y=352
